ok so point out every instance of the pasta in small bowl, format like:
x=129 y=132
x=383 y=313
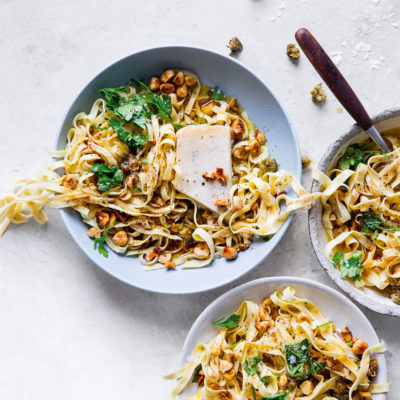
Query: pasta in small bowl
x=355 y=227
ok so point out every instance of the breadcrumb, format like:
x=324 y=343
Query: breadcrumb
x=292 y=51
x=318 y=94
x=305 y=161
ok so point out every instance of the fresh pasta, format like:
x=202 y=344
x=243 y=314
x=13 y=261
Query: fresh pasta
x=281 y=349
x=119 y=172
x=361 y=216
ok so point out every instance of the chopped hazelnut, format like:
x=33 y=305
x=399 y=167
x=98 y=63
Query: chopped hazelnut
x=209 y=176
x=163 y=258
x=365 y=396
x=292 y=51
x=208 y=108
x=282 y=381
x=170 y=264
x=190 y=81
x=237 y=129
x=70 y=182
x=235 y=45
x=305 y=161
x=318 y=94
x=346 y=335
x=359 y=347
x=221 y=202
x=229 y=375
x=221 y=176
x=150 y=256
x=167 y=88
x=237 y=203
x=303 y=316
x=243 y=246
x=253 y=147
x=307 y=387
x=179 y=79
x=102 y=219
x=233 y=106
x=260 y=137
x=201 y=250
x=182 y=91
x=93 y=232
x=120 y=238
x=167 y=75
x=229 y=252
x=154 y=84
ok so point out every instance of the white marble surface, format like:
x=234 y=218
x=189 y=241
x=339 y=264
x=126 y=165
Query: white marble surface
x=68 y=330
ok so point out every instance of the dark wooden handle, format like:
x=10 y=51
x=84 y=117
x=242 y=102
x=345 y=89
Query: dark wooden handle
x=332 y=77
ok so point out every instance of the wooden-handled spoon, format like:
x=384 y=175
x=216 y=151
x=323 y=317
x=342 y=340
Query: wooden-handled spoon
x=338 y=84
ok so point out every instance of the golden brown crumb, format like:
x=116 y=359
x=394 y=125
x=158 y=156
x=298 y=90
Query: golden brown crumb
x=235 y=45
x=102 y=219
x=233 y=106
x=253 y=147
x=70 y=182
x=305 y=161
x=339 y=110
x=292 y=51
x=209 y=176
x=221 y=176
x=260 y=137
x=120 y=238
x=170 y=264
x=237 y=129
x=150 y=256
x=93 y=232
x=201 y=250
x=208 y=108
x=318 y=94
x=164 y=258
x=221 y=202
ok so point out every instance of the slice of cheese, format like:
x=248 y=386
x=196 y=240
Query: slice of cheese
x=203 y=148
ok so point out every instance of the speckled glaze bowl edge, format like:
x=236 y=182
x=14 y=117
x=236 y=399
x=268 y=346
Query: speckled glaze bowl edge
x=366 y=297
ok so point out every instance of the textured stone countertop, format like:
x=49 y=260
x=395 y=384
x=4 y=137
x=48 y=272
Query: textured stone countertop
x=67 y=329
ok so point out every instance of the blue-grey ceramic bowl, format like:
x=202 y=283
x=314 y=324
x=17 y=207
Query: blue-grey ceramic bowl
x=263 y=108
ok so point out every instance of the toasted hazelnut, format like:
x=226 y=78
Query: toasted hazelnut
x=221 y=176
x=365 y=396
x=167 y=75
x=102 y=219
x=237 y=203
x=93 y=232
x=113 y=218
x=229 y=375
x=318 y=94
x=262 y=326
x=174 y=227
x=307 y=387
x=163 y=258
x=201 y=250
x=154 y=84
x=292 y=51
x=243 y=246
x=120 y=238
x=167 y=88
x=372 y=368
x=303 y=316
x=239 y=153
x=282 y=381
x=70 y=182
x=237 y=129
x=359 y=346
x=182 y=91
x=150 y=256
x=225 y=365
x=233 y=106
x=209 y=176
x=260 y=137
x=190 y=81
x=179 y=79
x=208 y=108
x=221 y=202
x=305 y=161
x=170 y=264
x=346 y=335
x=229 y=252
x=253 y=146
x=235 y=45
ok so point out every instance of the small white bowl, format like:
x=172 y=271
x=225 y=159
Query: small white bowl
x=367 y=297
x=333 y=304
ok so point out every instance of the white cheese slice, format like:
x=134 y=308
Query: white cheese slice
x=199 y=149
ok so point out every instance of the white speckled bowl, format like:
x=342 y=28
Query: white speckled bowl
x=264 y=109
x=333 y=304
x=367 y=297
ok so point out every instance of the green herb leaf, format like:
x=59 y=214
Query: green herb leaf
x=299 y=361
x=230 y=323
x=250 y=366
x=216 y=93
x=99 y=242
x=355 y=155
x=133 y=141
x=325 y=324
x=196 y=375
x=277 y=396
x=112 y=96
x=350 y=267
x=232 y=346
x=107 y=177
x=373 y=223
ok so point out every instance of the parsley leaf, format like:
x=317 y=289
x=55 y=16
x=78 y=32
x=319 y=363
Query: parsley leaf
x=230 y=323
x=132 y=140
x=299 y=361
x=99 y=242
x=133 y=110
x=216 y=93
x=112 y=96
x=373 y=223
x=351 y=267
x=196 y=375
x=277 y=396
x=107 y=177
x=355 y=155
x=250 y=366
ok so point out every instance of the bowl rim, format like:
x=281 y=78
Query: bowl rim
x=278 y=280
x=313 y=215
x=298 y=173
